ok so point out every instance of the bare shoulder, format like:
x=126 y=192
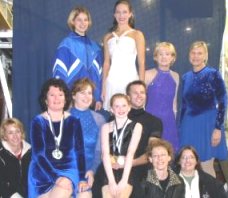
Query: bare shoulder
x=152 y=71
x=138 y=35
x=150 y=75
x=107 y=127
x=107 y=36
x=175 y=76
x=138 y=126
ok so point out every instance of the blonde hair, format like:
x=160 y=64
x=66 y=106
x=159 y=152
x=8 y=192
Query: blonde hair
x=198 y=44
x=168 y=45
x=11 y=121
x=74 y=13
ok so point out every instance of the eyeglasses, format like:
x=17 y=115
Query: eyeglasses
x=155 y=156
x=190 y=157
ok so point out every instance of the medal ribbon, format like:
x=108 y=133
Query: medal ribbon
x=118 y=138
x=59 y=137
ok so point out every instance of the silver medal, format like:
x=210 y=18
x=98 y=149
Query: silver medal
x=121 y=160
x=57 y=154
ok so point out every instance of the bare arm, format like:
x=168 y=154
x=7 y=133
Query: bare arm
x=140 y=45
x=176 y=79
x=106 y=152
x=131 y=151
x=142 y=159
x=106 y=65
x=150 y=75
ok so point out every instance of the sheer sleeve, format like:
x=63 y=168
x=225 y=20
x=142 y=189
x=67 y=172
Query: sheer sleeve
x=221 y=97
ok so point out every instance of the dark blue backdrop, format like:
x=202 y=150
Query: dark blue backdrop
x=39 y=25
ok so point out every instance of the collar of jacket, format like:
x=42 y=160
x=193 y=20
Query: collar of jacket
x=173 y=178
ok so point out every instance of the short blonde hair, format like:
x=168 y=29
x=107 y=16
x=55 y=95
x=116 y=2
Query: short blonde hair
x=11 y=121
x=74 y=13
x=168 y=45
x=198 y=44
x=153 y=143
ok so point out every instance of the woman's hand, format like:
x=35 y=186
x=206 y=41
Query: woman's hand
x=113 y=189
x=121 y=186
x=90 y=178
x=216 y=137
x=83 y=186
x=98 y=106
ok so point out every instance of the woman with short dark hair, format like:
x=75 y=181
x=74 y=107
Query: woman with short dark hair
x=57 y=168
x=198 y=184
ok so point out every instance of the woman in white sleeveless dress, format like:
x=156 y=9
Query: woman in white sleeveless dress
x=121 y=47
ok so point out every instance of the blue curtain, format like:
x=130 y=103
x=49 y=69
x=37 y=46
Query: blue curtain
x=39 y=26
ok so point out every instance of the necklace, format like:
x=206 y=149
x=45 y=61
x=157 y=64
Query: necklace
x=118 y=138
x=56 y=153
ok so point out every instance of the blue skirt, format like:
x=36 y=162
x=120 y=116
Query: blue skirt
x=196 y=130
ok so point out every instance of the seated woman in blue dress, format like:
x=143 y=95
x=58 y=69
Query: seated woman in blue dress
x=57 y=168
x=82 y=93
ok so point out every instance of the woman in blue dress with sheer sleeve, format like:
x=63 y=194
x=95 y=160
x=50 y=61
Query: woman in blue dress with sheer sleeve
x=203 y=109
x=91 y=121
x=57 y=168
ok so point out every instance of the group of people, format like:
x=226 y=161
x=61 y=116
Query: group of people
x=140 y=151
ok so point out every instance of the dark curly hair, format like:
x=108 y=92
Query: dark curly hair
x=55 y=83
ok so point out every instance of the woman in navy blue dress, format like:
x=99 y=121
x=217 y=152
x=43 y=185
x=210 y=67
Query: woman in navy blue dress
x=203 y=109
x=57 y=168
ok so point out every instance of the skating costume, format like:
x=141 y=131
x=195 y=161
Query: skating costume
x=203 y=109
x=91 y=123
x=128 y=131
x=45 y=167
x=123 y=52
x=160 y=97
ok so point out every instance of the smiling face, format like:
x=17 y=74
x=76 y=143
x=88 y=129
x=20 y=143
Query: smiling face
x=55 y=99
x=81 y=23
x=137 y=94
x=122 y=14
x=83 y=99
x=120 y=107
x=160 y=158
x=187 y=161
x=198 y=57
x=164 y=58
x=13 y=135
